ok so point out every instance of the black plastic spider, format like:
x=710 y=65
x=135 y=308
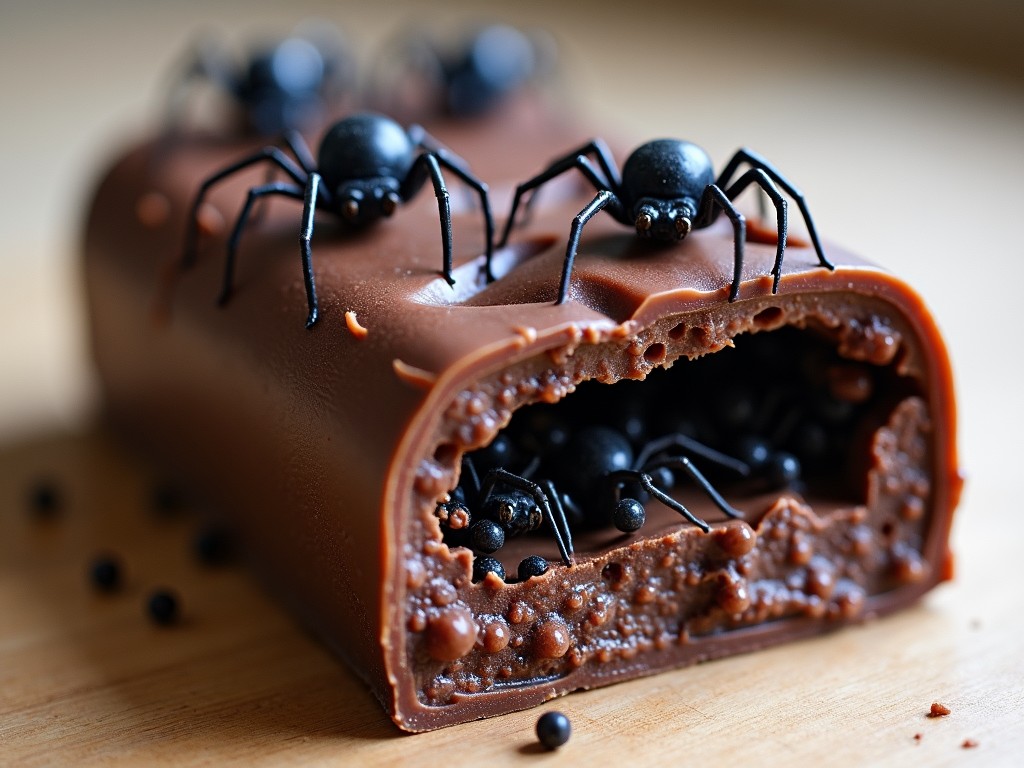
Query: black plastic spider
x=420 y=75
x=600 y=460
x=505 y=504
x=288 y=85
x=667 y=189
x=367 y=165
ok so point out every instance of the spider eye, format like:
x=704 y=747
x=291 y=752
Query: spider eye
x=350 y=210
x=683 y=226
x=644 y=219
x=389 y=203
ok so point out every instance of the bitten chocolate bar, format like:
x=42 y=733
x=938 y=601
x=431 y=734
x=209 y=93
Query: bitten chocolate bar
x=352 y=458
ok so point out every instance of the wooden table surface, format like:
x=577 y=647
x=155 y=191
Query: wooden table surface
x=915 y=164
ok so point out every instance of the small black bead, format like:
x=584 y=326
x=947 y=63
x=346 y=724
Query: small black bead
x=105 y=573
x=629 y=515
x=553 y=729
x=162 y=607
x=213 y=546
x=483 y=565
x=753 y=451
x=783 y=468
x=534 y=565
x=487 y=536
x=44 y=498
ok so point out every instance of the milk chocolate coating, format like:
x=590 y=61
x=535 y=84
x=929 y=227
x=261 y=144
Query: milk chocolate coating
x=330 y=448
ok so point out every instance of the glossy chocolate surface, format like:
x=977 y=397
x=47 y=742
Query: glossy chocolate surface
x=329 y=449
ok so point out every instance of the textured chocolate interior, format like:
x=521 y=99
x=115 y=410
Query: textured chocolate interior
x=329 y=449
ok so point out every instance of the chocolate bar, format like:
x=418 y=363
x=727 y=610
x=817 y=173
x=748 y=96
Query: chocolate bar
x=341 y=454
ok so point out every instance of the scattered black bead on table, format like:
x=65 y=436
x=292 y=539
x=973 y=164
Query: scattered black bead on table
x=44 y=498
x=105 y=573
x=162 y=607
x=553 y=730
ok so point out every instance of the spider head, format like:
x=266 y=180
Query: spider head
x=363 y=201
x=664 y=220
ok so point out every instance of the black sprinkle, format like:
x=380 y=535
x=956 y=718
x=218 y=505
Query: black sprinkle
x=162 y=607
x=105 y=573
x=553 y=729
x=44 y=498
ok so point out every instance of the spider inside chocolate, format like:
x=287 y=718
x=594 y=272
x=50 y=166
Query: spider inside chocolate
x=285 y=86
x=601 y=470
x=507 y=505
x=667 y=189
x=366 y=167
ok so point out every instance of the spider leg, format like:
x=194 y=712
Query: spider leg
x=274 y=188
x=469 y=470
x=305 y=244
x=294 y=141
x=599 y=150
x=625 y=475
x=563 y=538
x=499 y=475
x=763 y=180
x=420 y=138
x=267 y=154
x=603 y=198
x=683 y=463
x=691 y=446
x=485 y=203
x=444 y=208
x=706 y=214
x=752 y=158
x=557 y=168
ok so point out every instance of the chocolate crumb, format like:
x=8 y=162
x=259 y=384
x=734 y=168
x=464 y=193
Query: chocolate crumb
x=918 y=737
x=969 y=744
x=356 y=328
x=938 y=710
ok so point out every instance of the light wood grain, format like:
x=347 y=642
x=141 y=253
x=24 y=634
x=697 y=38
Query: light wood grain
x=86 y=679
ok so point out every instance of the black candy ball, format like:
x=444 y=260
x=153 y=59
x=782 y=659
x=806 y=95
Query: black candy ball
x=629 y=515
x=534 y=565
x=105 y=573
x=483 y=565
x=486 y=536
x=162 y=607
x=553 y=729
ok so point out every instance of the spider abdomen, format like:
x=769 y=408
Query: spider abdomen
x=365 y=146
x=667 y=169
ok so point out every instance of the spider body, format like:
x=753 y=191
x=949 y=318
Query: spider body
x=507 y=505
x=601 y=471
x=666 y=190
x=288 y=85
x=367 y=166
